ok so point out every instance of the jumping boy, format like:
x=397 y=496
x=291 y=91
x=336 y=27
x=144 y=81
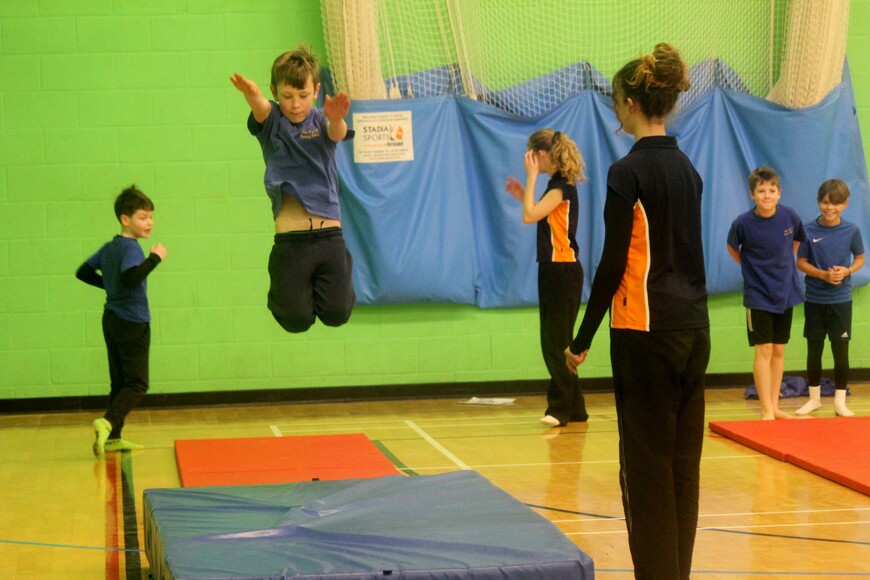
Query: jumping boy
x=309 y=266
x=126 y=317
x=764 y=241
x=833 y=251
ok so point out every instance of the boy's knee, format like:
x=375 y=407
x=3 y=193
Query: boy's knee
x=334 y=318
x=294 y=324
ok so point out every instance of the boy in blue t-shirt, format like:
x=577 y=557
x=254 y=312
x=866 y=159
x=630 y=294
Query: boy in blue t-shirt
x=832 y=252
x=126 y=317
x=309 y=266
x=763 y=241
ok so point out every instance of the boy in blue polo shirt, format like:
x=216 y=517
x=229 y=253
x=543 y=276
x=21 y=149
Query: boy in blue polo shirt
x=309 y=266
x=833 y=251
x=126 y=317
x=764 y=241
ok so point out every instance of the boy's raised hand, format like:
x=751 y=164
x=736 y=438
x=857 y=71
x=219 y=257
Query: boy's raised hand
x=246 y=86
x=253 y=95
x=336 y=108
x=159 y=250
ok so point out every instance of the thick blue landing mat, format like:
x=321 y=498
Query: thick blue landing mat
x=452 y=526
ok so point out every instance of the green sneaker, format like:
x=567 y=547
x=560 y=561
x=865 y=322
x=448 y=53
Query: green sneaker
x=102 y=430
x=121 y=445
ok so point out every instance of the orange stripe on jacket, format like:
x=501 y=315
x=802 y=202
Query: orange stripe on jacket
x=559 y=222
x=630 y=306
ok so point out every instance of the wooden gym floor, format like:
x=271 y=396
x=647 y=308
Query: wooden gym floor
x=66 y=515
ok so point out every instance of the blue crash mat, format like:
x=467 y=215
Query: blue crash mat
x=456 y=525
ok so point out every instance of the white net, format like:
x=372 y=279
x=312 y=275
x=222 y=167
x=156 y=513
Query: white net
x=815 y=41
x=527 y=56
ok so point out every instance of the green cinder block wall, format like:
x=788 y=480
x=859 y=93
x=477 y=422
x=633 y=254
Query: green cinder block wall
x=98 y=94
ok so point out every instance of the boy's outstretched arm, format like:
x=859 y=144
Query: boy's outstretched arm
x=253 y=95
x=336 y=109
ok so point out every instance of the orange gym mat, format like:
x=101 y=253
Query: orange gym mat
x=836 y=448
x=256 y=460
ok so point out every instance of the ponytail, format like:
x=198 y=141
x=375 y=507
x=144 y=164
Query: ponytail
x=563 y=152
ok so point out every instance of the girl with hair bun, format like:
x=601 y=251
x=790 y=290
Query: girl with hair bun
x=560 y=275
x=651 y=277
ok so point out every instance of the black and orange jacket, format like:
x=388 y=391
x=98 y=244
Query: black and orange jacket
x=651 y=274
x=557 y=235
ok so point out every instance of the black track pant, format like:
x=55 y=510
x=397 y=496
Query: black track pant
x=310 y=275
x=560 y=285
x=659 y=390
x=127 y=344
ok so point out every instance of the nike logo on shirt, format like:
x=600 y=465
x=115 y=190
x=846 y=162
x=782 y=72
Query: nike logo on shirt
x=817 y=240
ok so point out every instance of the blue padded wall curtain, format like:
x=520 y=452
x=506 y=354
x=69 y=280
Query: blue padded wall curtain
x=442 y=229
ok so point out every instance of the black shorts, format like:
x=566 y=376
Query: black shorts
x=763 y=327
x=831 y=320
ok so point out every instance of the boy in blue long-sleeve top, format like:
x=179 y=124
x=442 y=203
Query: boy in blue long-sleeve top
x=126 y=317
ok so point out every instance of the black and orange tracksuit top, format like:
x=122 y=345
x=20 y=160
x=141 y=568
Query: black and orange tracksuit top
x=651 y=275
x=557 y=235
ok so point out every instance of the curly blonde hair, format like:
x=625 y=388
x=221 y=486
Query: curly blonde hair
x=564 y=154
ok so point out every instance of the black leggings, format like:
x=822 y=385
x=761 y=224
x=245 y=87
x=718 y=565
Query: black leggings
x=840 y=350
x=310 y=275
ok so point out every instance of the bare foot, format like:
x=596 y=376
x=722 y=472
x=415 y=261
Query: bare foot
x=767 y=417
x=779 y=414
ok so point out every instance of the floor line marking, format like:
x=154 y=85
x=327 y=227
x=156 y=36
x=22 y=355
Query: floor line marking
x=725 y=528
x=276 y=431
x=437 y=445
x=111 y=558
x=68 y=546
x=132 y=561
x=798 y=525
x=856 y=509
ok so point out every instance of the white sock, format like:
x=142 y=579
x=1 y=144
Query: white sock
x=840 y=404
x=813 y=404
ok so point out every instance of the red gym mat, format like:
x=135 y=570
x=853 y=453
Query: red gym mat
x=255 y=460
x=836 y=448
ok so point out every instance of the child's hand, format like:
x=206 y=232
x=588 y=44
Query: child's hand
x=836 y=274
x=530 y=160
x=335 y=108
x=246 y=86
x=574 y=360
x=514 y=187
x=159 y=250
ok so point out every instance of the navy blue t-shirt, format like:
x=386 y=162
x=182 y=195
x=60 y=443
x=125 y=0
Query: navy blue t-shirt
x=114 y=258
x=300 y=161
x=766 y=246
x=825 y=247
